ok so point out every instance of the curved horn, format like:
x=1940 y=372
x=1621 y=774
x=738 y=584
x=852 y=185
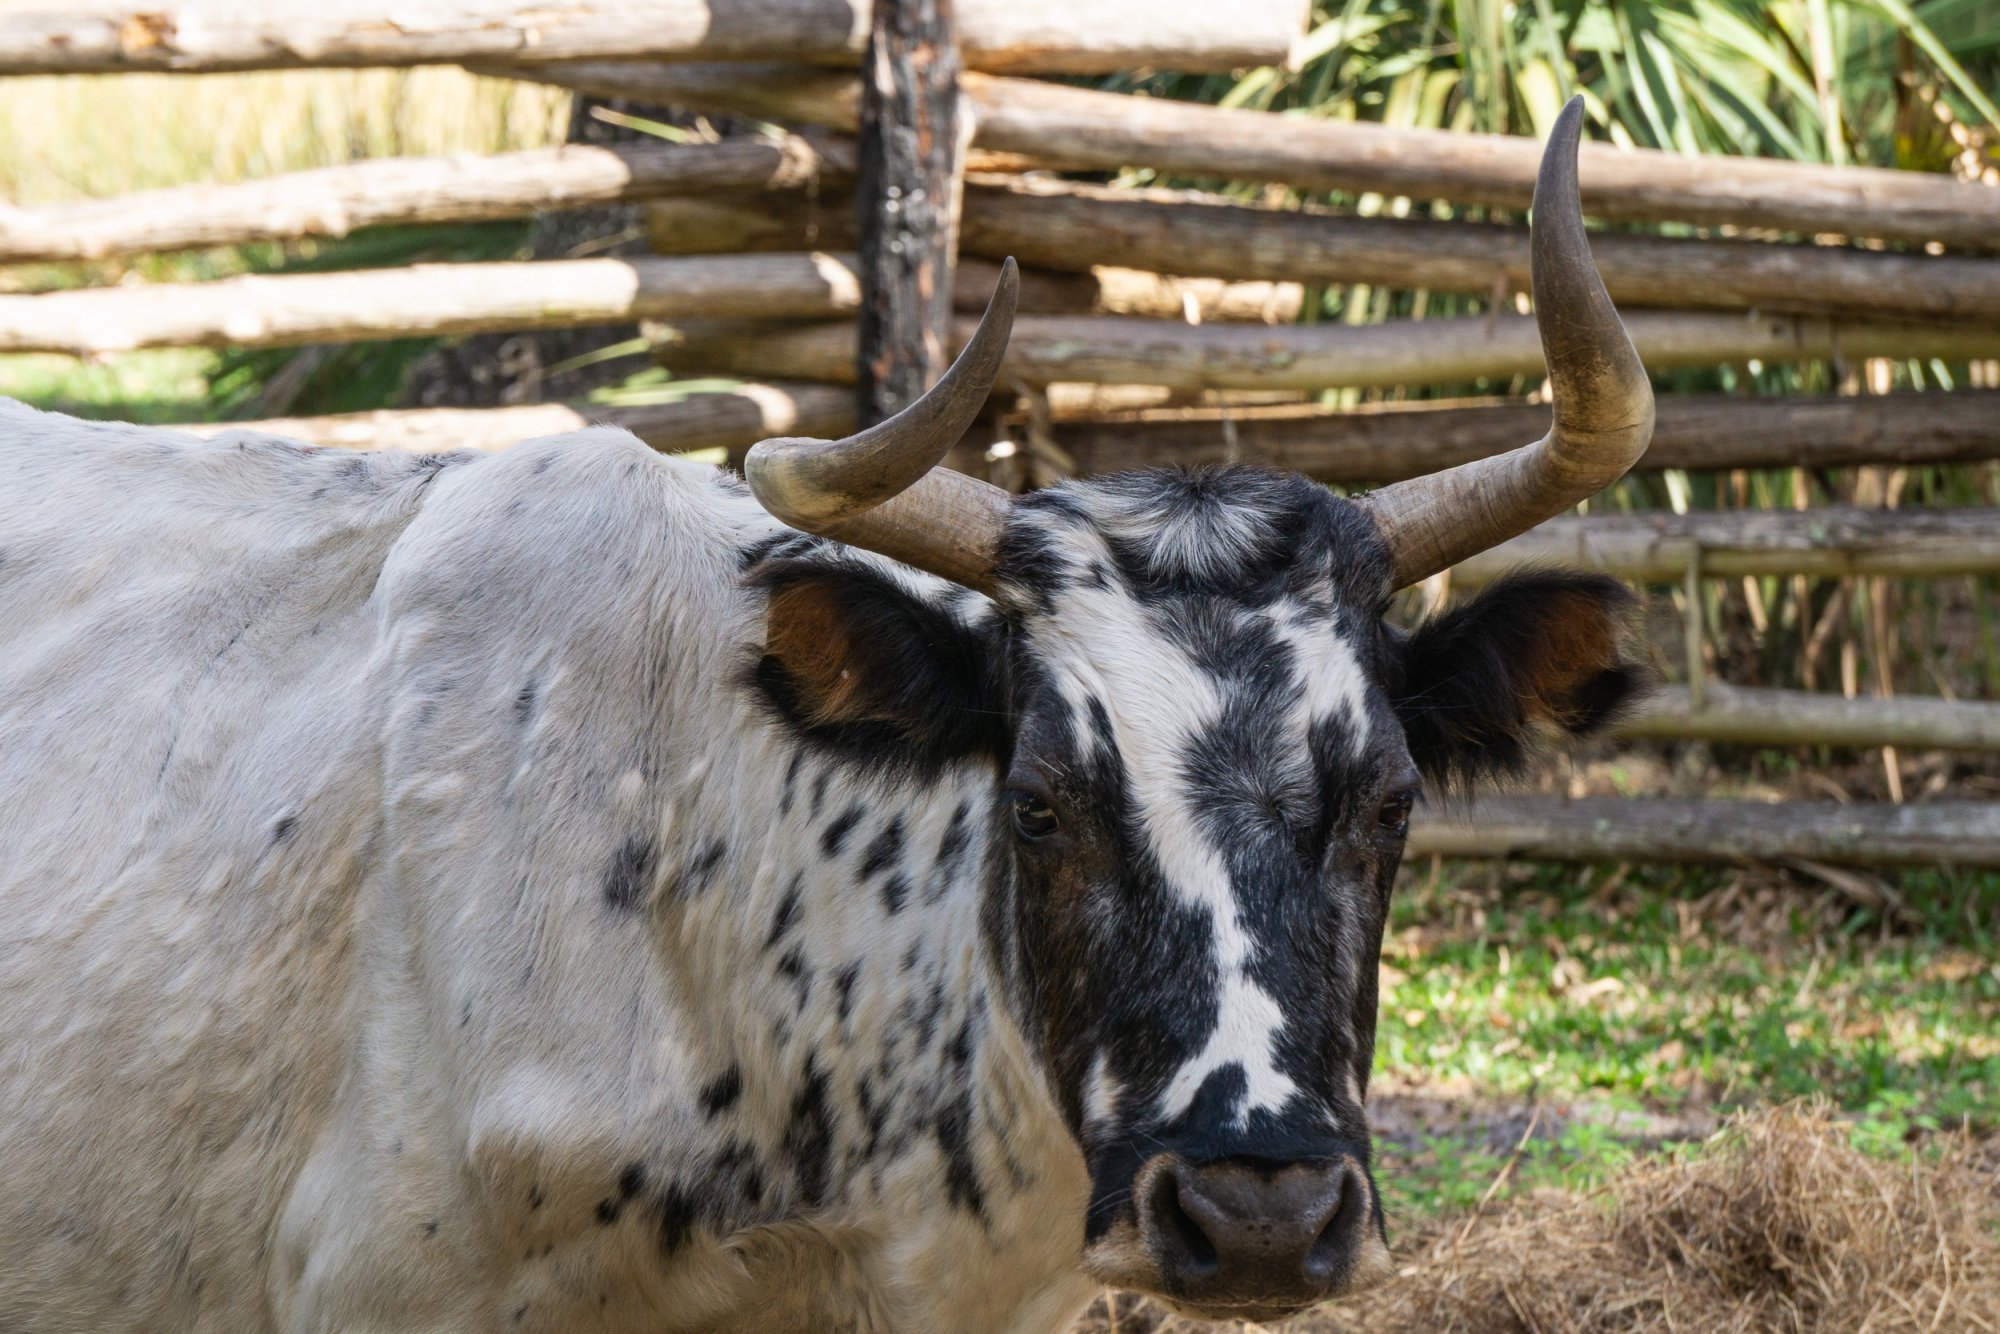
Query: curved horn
x=881 y=488
x=1603 y=402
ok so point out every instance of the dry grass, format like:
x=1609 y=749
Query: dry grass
x=69 y=137
x=1780 y=1225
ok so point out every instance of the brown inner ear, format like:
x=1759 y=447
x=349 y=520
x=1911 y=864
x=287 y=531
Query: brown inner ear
x=805 y=629
x=1578 y=643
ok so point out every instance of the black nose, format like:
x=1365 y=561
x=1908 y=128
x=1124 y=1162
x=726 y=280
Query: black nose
x=1243 y=1232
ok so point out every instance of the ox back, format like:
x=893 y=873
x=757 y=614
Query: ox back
x=538 y=891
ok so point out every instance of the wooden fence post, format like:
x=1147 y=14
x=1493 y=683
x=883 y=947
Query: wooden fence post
x=914 y=135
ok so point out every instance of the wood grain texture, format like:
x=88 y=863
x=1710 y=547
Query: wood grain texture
x=1837 y=540
x=1386 y=443
x=424 y=299
x=1114 y=350
x=910 y=166
x=732 y=419
x=1765 y=717
x=1612 y=829
x=1021 y=36
x=1084 y=129
x=332 y=201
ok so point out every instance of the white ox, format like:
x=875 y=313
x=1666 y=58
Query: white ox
x=543 y=892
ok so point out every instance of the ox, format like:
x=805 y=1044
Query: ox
x=544 y=892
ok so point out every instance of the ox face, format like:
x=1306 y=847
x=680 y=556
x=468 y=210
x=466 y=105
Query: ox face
x=1205 y=744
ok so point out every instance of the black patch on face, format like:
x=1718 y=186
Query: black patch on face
x=721 y=1093
x=630 y=873
x=834 y=836
x=808 y=1142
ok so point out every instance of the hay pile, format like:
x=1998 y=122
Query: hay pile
x=1777 y=1226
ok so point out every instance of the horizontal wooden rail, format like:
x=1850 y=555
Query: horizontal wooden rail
x=1112 y=350
x=332 y=201
x=1086 y=129
x=1766 y=717
x=1065 y=227
x=423 y=299
x=726 y=419
x=1611 y=829
x=1837 y=540
x=1389 y=442
x=1057 y=225
x=1042 y=36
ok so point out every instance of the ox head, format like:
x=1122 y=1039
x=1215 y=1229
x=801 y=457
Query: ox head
x=1205 y=744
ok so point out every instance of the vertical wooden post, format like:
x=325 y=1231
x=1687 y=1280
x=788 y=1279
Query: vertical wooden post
x=914 y=133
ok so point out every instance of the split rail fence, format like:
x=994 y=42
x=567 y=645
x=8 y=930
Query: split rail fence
x=1158 y=326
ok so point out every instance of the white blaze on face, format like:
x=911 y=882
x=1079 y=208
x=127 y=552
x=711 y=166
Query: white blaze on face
x=1159 y=701
x=1331 y=682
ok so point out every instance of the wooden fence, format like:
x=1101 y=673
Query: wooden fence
x=1159 y=326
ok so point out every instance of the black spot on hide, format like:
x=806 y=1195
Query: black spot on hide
x=961 y=1173
x=524 y=702
x=630 y=1182
x=535 y=1197
x=791 y=782
x=431 y=1228
x=895 y=891
x=699 y=873
x=787 y=915
x=834 y=837
x=679 y=1212
x=885 y=849
x=843 y=991
x=808 y=1143
x=630 y=872
x=283 y=829
x=723 y=1091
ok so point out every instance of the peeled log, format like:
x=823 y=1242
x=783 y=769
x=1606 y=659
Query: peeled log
x=1836 y=540
x=1061 y=226
x=1389 y=442
x=1039 y=36
x=1615 y=829
x=1753 y=716
x=1115 y=350
x=332 y=201
x=426 y=299
x=1084 y=129
x=730 y=419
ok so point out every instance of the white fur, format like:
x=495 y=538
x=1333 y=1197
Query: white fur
x=315 y=1015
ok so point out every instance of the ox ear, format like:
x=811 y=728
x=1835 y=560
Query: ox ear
x=1542 y=655
x=857 y=661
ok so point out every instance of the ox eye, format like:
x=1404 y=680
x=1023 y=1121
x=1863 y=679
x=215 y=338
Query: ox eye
x=1034 y=819
x=1395 y=812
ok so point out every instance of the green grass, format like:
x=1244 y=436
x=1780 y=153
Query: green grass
x=1622 y=1008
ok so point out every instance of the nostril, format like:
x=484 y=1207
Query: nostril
x=1188 y=1250
x=1332 y=1251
